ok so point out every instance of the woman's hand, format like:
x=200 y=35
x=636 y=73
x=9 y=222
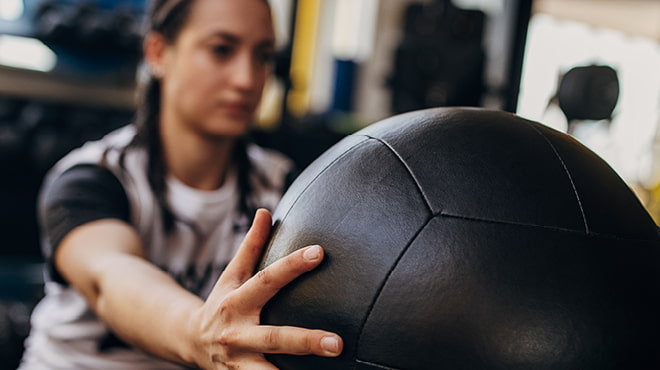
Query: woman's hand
x=226 y=328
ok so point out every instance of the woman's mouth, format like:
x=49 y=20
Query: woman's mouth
x=238 y=108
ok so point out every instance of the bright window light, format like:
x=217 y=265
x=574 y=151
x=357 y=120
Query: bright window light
x=631 y=142
x=11 y=9
x=355 y=24
x=26 y=53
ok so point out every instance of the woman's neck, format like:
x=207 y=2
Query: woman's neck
x=198 y=161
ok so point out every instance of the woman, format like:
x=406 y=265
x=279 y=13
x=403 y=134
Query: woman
x=139 y=225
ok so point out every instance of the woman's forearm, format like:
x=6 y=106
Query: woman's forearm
x=140 y=303
x=147 y=308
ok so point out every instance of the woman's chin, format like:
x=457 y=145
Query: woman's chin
x=229 y=127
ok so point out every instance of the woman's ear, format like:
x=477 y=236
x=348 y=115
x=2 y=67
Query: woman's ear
x=154 y=47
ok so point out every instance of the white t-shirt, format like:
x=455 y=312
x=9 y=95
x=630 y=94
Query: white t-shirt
x=65 y=333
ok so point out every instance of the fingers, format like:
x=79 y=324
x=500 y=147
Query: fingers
x=289 y=340
x=242 y=266
x=233 y=308
x=259 y=289
x=250 y=362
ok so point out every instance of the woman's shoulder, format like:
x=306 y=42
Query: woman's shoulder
x=269 y=161
x=117 y=139
x=97 y=151
x=94 y=151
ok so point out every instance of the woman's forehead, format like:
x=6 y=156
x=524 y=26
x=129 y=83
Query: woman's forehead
x=241 y=18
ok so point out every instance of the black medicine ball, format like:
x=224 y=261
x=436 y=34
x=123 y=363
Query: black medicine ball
x=469 y=239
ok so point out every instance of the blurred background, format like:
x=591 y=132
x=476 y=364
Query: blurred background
x=590 y=68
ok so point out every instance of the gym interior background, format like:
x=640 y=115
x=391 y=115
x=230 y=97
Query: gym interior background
x=587 y=67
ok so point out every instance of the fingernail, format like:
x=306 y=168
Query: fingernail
x=330 y=344
x=312 y=253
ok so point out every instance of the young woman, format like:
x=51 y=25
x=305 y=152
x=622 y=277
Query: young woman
x=151 y=263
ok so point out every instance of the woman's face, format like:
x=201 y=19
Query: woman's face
x=214 y=72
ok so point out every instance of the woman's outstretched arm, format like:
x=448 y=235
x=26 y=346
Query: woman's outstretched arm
x=144 y=306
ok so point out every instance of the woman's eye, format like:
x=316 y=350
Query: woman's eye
x=266 y=57
x=222 y=50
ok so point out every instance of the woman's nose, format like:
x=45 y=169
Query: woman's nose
x=244 y=72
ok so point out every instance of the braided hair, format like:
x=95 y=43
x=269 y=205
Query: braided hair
x=167 y=17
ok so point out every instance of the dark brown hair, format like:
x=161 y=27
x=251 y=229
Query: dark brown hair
x=167 y=17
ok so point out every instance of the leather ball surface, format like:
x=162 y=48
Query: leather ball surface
x=464 y=238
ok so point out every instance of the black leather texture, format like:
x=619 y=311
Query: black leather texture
x=466 y=238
